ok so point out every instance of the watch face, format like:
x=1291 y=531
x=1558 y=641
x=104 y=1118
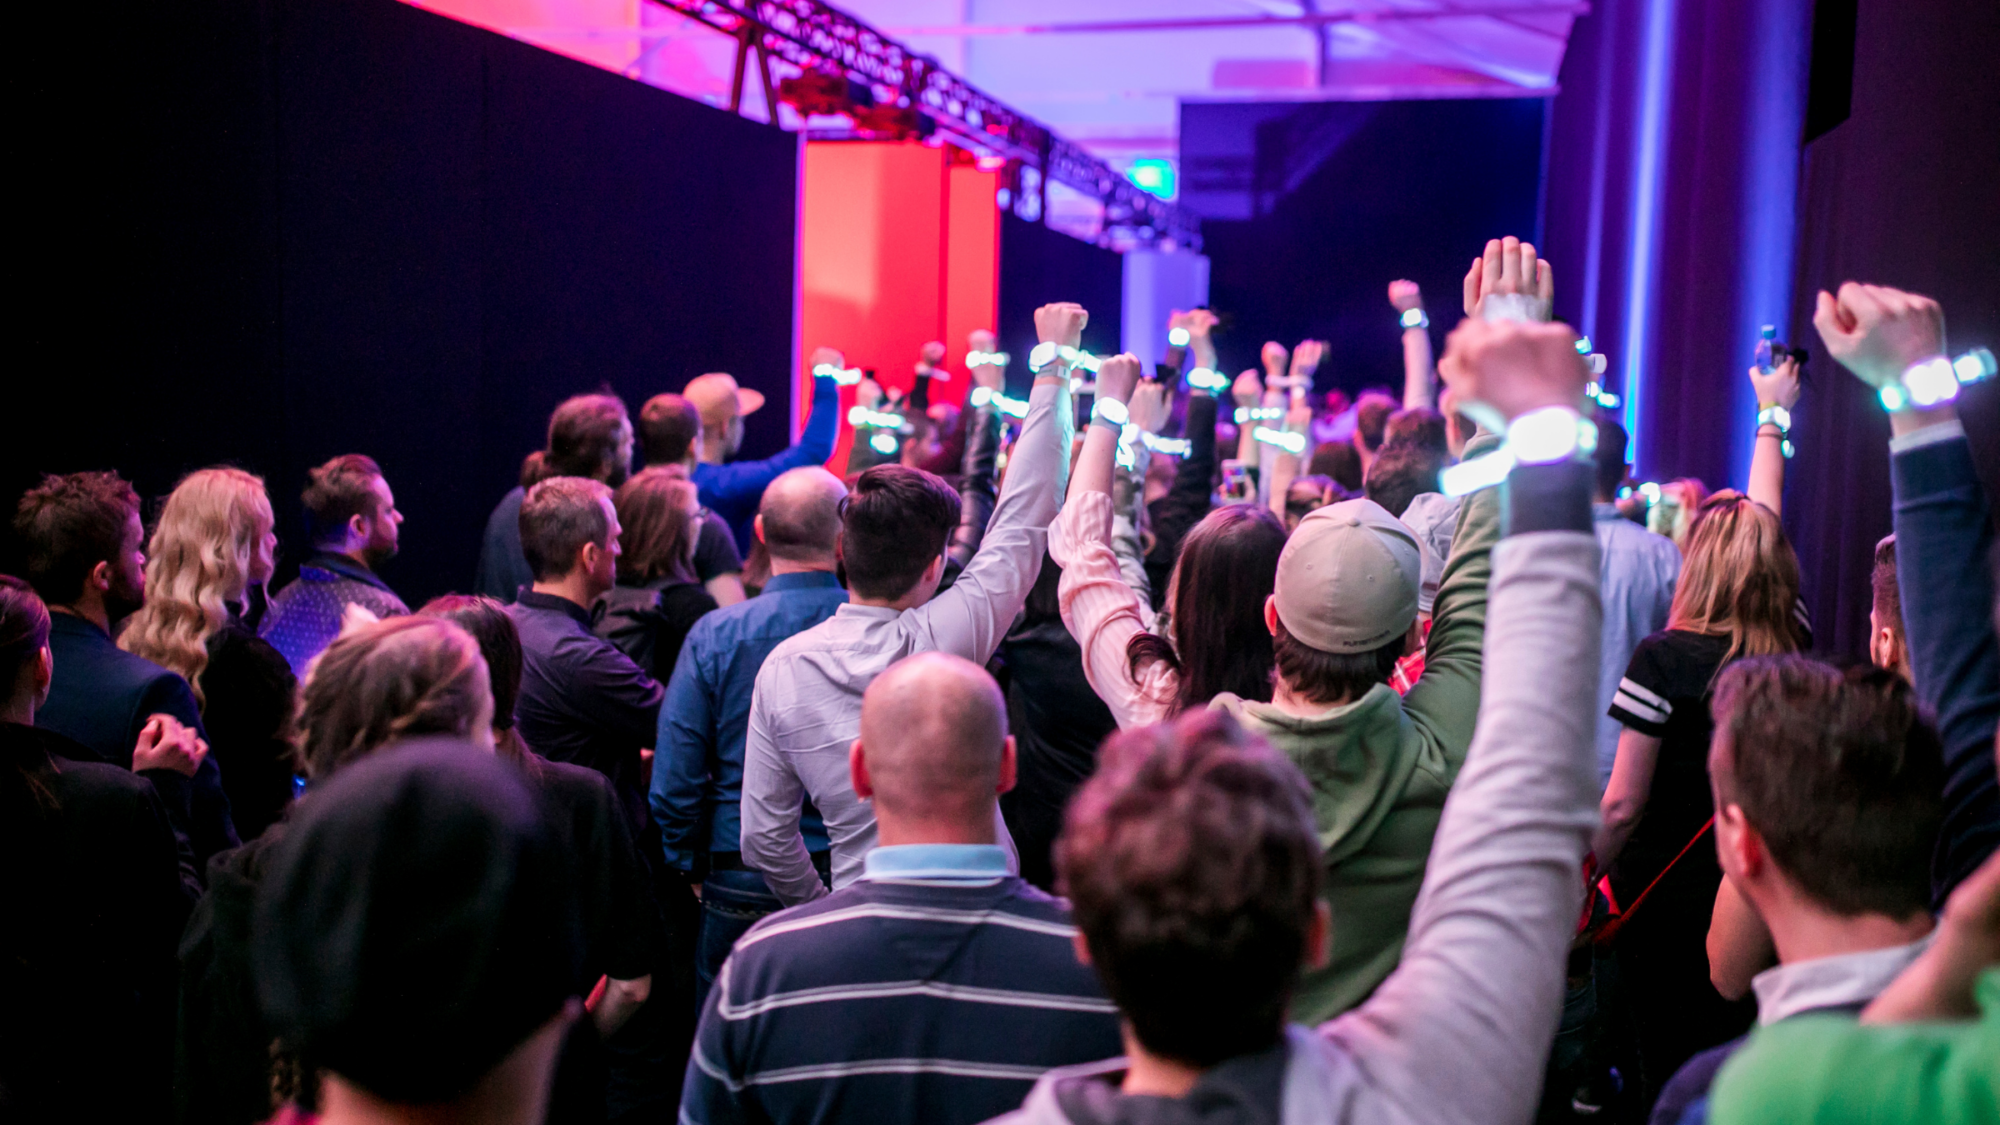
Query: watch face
x=1043 y=355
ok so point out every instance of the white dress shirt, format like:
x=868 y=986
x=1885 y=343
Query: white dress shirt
x=806 y=709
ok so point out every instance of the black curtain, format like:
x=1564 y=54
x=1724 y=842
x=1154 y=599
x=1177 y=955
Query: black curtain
x=1039 y=266
x=265 y=234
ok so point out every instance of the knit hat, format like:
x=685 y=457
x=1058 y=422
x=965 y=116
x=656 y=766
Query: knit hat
x=416 y=922
x=1348 y=578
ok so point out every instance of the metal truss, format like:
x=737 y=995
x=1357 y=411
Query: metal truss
x=819 y=39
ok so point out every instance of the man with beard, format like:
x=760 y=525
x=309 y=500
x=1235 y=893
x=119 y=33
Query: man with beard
x=352 y=520
x=85 y=557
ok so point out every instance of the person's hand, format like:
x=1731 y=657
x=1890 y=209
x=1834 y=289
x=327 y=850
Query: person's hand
x=356 y=617
x=1248 y=389
x=1274 y=356
x=1198 y=322
x=1780 y=387
x=1405 y=296
x=932 y=354
x=1061 y=324
x=1878 y=332
x=981 y=340
x=828 y=356
x=1117 y=376
x=1509 y=266
x=1305 y=361
x=1150 y=404
x=164 y=744
x=1506 y=368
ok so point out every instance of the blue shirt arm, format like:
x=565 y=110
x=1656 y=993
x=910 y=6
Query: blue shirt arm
x=727 y=488
x=1943 y=539
x=681 y=754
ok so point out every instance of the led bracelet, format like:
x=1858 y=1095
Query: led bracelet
x=1289 y=442
x=883 y=442
x=845 y=376
x=1110 y=412
x=1539 y=437
x=1935 y=381
x=1414 y=318
x=1048 y=352
x=985 y=396
x=1780 y=417
x=1256 y=413
x=861 y=416
x=1172 y=447
x=986 y=359
x=1205 y=379
x=1178 y=337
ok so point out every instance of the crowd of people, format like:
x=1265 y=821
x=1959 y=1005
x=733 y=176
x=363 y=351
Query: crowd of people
x=1390 y=769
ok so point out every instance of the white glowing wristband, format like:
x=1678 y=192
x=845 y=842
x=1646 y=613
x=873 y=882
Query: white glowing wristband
x=883 y=442
x=1925 y=383
x=1255 y=413
x=986 y=359
x=861 y=416
x=1204 y=379
x=1290 y=443
x=1110 y=412
x=1046 y=353
x=1547 y=436
x=985 y=396
x=1414 y=318
x=1172 y=447
x=845 y=376
x=1178 y=337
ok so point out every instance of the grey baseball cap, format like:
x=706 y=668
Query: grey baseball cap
x=1349 y=578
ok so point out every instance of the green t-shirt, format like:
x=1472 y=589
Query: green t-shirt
x=1826 y=1070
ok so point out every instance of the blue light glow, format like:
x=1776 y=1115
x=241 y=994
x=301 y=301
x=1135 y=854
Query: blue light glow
x=1652 y=144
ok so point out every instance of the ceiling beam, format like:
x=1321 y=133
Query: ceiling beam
x=1216 y=23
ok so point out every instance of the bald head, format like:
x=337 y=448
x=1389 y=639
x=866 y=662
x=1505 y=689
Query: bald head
x=799 y=518
x=933 y=733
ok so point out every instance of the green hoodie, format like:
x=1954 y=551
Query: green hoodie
x=1380 y=768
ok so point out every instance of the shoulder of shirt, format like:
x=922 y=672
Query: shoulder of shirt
x=811 y=925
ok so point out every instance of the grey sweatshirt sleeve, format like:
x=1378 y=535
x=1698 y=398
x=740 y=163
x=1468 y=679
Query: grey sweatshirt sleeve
x=1461 y=1030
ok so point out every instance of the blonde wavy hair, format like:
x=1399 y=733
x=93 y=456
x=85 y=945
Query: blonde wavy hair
x=1740 y=578
x=386 y=681
x=199 y=558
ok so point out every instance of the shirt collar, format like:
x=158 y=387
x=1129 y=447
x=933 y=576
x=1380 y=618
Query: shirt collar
x=528 y=597
x=937 y=863
x=803 y=580
x=1601 y=511
x=344 y=567
x=878 y=612
x=1840 y=981
x=75 y=624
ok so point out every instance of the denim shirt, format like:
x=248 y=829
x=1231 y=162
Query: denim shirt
x=1637 y=571
x=697 y=790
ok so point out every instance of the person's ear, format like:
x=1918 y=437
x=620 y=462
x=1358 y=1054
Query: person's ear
x=45 y=671
x=757 y=525
x=101 y=577
x=934 y=573
x=1319 y=936
x=1081 y=946
x=1738 y=848
x=357 y=527
x=857 y=771
x=1271 y=613
x=1009 y=766
x=586 y=558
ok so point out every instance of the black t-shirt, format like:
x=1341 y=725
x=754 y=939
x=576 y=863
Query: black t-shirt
x=1665 y=693
x=621 y=919
x=715 y=549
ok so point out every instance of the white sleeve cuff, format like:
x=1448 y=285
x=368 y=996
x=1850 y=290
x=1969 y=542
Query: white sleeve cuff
x=1929 y=435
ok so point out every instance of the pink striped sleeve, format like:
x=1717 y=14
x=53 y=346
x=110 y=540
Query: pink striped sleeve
x=1103 y=613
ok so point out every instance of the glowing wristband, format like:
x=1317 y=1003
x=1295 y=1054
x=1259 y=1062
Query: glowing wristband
x=1597 y=394
x=1927 y=382
x=1414 y=318
x=1253 y=413
x=1514 y=306
x=1046 y=353
x=1290 y=443
x=1178 y=337
x=861 y=416
x=845 y=376
x=984 y=396
x=986 y=359
x=1110 y=412
x=1172 y=447
x=1974 y=366
x=1203 y=379
x=1780 y=417
x=1550 y=435
x=883 y=442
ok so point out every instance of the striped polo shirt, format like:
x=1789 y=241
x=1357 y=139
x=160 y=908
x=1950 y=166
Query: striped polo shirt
x=936 y=990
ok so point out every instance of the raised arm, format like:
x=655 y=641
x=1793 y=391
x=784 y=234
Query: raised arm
x=983 y=426
x=1481 y=979
x=970 y=618
x=1778 y=390
x=1943 y=537
x=1419 y=376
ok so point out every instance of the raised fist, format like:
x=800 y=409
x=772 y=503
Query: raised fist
x=1274 y=359
x=933 y=353
x=164 y=744
x=1405 y=296
x=1149 y=404
x=826 y=355
x=1248 y=389
x=1305 y=360
x=1780 y=387
x=1509 y=266
x=1504 y=369
x=1877 y=332
x=981 y=340
x=1061 y=324
x=1117 y=376
x=1198 y=322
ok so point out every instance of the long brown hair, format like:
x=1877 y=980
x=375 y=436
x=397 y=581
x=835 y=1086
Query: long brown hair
x=199 y=558
x=1740 y=578
x=391 y=680
x=500 y=643
x=1217 y=640
x=657 y=527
